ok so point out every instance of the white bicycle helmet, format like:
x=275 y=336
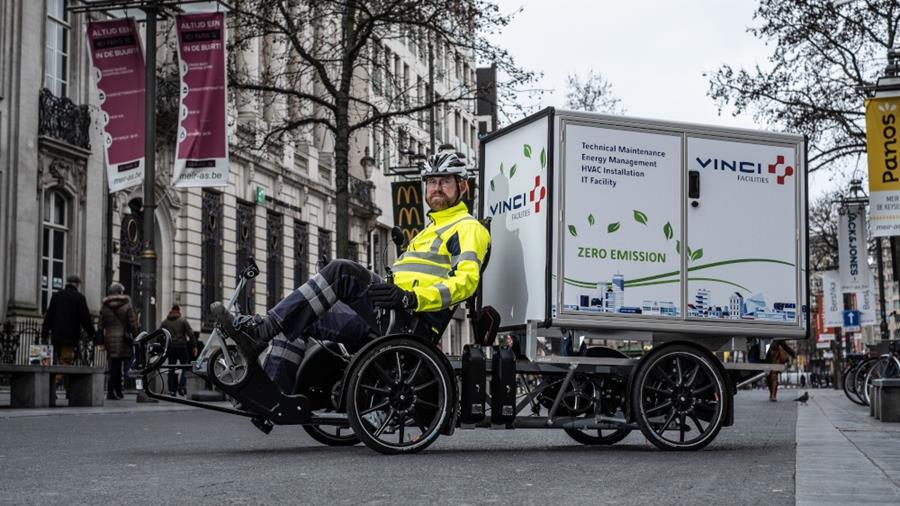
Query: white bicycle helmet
x=443 y=164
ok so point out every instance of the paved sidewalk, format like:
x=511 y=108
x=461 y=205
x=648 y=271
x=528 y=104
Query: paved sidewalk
x=128 y=404
x=844 y=456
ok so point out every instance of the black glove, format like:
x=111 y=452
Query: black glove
x=392 y=296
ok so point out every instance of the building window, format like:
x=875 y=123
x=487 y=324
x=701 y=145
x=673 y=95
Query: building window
x=388 y=72
x=301 y=253
x=377 y=251
x=56 y=75
x=53 y=256
x=274 y=258
x=246 y=236
x=376 y=66
x=211 y=260
x=353 y=251
x=324 y=247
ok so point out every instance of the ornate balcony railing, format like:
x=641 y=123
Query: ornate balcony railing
x=62 y=119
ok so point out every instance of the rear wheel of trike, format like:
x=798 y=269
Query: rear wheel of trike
x=679 y=398
x=598 y=436
x=332 y=435
x=398 y=396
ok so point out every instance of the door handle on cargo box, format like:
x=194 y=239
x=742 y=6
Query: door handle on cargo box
x=694 y=186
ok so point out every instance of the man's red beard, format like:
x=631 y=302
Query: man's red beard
x=438 y=200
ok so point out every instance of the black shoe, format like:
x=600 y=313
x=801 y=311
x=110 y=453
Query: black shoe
x=182 y=392
x=111 y=397
x=119 y=396
x=255 y=331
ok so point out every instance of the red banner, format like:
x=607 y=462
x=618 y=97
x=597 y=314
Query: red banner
x=118 y=69
x=202 y=147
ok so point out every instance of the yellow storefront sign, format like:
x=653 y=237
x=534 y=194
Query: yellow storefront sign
x=882 y=130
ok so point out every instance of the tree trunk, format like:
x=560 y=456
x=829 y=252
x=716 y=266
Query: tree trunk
x=342 y=194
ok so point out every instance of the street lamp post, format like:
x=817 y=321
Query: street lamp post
x=148 y=253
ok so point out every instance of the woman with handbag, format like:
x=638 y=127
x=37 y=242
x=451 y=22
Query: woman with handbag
x=120 y=325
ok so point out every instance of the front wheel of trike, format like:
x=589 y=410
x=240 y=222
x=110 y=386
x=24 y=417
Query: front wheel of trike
x=679 y=398
x=398 y=396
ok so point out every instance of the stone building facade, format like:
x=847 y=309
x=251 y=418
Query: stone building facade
x=57 y=217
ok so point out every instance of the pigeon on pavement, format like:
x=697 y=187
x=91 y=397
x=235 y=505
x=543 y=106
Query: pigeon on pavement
x=802 y=399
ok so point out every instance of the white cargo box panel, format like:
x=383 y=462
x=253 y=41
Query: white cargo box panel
x=612 y=223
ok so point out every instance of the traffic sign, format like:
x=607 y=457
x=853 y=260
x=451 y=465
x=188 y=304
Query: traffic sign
x=851 y=320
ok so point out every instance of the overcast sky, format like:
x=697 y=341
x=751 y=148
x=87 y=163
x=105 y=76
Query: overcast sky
x=654 y=52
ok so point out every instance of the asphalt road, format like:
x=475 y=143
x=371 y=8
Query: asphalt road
x=203 y=457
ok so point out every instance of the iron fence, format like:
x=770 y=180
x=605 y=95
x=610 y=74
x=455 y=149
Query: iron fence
x=21 y=343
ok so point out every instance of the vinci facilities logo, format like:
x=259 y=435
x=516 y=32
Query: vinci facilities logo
x=522 y=204
x=750 y=171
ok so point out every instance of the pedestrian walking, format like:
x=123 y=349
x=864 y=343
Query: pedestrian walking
x=779 y=353
x=183 y=349
x=66 y=316
x=120 y=325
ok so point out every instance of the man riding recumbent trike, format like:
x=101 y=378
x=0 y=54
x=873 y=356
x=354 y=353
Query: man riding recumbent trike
x=352 y=357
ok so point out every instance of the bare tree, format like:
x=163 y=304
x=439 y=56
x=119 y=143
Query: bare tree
x=326 y=68
x=823 y=54
x=823 y=232
x=592 y=94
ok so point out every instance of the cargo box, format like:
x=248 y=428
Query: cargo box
x=619 y=224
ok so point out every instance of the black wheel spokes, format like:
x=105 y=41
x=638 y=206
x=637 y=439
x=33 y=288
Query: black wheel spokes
x=666 y=425
x=423 y=402
x=679 y=378
x=402 y=395
x=659 y=373
x=372 y=388
x=700 y=429
x=378 y=407
x=385 y=423
x=693 y=376
x=659 y=391
x=423 y=386
x=665 y=405
x=682 y=404
x=415 y=371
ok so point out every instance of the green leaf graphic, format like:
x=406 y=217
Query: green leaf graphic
x=667 y=230
x=678 y=247
x=572 y=230
x=527 y=150
x=591 y=220
x=512 y=171
x=697 y=255
x=690 y=253
x=612 y=227
x=640 y=217
x=501 y=169
x=492 y=185
x=543 y=158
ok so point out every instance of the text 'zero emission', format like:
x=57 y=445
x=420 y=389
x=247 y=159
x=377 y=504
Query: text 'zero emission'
x=624 y=255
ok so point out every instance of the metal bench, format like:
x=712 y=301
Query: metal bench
x=32 y=385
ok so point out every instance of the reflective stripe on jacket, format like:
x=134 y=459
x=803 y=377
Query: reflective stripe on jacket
x=442 y=264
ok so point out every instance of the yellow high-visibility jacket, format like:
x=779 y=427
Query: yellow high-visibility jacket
x=442 y=264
